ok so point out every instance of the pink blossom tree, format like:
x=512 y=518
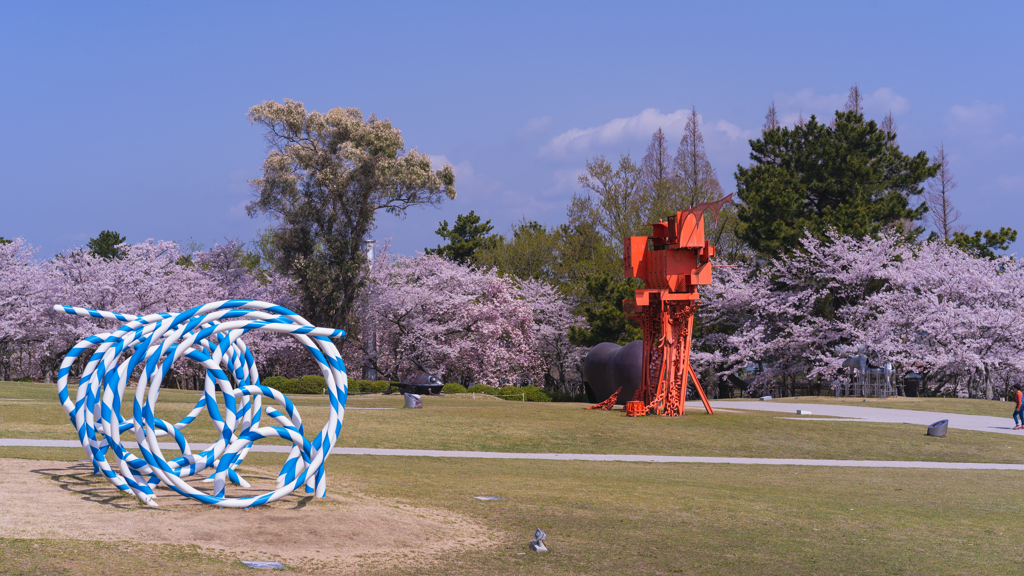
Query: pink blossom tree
x=928 y=308
x=467 y=324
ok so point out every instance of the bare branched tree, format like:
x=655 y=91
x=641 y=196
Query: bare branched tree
x=889 y=125
x=698 y=183
x=855 y=100
x=940 y=206
x=613 y=201
x=697 y=179
x=657 y=179
x=771 y=119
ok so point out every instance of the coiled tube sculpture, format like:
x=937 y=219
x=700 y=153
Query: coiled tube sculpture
x=210 y=336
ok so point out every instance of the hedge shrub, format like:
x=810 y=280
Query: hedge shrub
x=356 y=386
x=483 y=389
x=454 y=388
x=532 y=393
x=535 y=394
x=563 y=397
x=304 y=385
x=314 y=385
x=274 y=382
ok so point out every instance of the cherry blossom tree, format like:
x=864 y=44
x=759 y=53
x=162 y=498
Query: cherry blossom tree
x=553 y=315
x=467 y=324
x=925 y=307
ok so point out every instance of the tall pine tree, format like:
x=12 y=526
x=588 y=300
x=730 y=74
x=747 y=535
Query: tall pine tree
x=849 y=175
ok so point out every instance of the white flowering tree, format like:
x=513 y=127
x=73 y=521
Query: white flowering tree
x=468 y=325
x=928 y=308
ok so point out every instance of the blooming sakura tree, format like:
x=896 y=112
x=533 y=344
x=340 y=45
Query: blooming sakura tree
x=469 y=325
x=466 y=324
x=232 y=276
x=928 y=308
x=955 y=317
x=148 y=277
x=24 y=288
x=552 y=318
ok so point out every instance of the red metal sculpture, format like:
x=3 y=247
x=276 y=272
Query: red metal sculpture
x=673 y=261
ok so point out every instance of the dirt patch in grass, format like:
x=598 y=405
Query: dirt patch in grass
x=49 y=499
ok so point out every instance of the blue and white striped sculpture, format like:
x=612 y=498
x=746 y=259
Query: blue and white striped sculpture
x=208 y=335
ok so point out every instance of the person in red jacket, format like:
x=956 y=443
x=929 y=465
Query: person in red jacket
x=1018 y=412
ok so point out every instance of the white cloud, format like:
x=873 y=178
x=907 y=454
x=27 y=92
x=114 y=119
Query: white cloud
x=438 y=160
x=807 y=103
x=467 y=180
x=884 y=100
x=734 y=132
x=533 y=125
x=876 y=104
x=565 y=180
x=978 y=118
x=640 y=126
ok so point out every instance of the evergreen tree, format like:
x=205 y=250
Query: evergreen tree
x=850 y=176
x=605 y=320
x=563 y=256
x=984 y=244
x=105 y=245
x=465 y=238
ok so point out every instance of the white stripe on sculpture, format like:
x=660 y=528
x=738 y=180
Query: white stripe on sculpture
x=208 y=335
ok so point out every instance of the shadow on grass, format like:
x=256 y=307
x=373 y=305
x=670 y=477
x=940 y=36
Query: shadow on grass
x=88 y=487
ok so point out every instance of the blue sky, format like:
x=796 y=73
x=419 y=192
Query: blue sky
x=132 y=117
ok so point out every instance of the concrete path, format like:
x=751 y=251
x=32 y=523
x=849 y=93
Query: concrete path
x=889 y=415
x=17 y=442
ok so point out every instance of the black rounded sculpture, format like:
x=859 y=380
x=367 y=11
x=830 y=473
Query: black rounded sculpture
x=609 y=366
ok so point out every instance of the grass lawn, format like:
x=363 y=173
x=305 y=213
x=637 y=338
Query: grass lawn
x=613 y=517
x=488 y=424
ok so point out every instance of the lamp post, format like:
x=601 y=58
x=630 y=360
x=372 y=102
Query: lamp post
x=370 y=338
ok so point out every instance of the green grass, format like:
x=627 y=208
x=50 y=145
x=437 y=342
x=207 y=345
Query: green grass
x=617 y=517
x=487 y=424
x=48 y=556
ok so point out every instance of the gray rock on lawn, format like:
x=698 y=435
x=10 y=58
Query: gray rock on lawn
x=538 y=544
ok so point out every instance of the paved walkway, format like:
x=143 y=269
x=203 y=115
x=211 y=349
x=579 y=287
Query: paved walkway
x=868 y=414
x=17 y=442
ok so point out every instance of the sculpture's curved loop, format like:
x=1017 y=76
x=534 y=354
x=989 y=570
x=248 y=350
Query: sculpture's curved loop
x=210 y=336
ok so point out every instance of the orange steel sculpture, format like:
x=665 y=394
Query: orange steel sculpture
x=673 y=261
x=607 y=404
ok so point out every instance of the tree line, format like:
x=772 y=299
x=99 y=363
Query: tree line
x=536 y=297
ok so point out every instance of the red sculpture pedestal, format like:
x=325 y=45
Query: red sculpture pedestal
x=668 y=329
